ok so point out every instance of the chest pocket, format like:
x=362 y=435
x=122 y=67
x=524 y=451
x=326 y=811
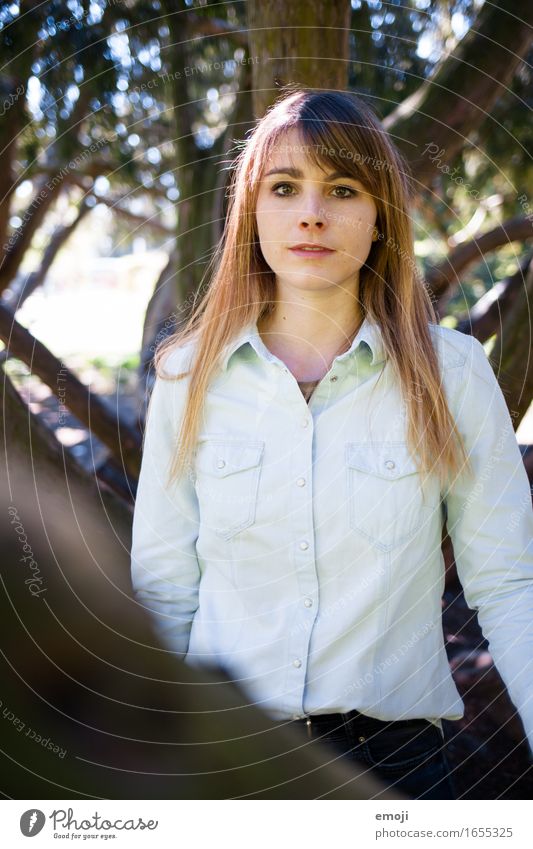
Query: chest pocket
x=384 y=495
x=227 y=483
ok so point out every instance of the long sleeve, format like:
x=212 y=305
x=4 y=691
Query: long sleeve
x=164 y=564
x=490 y=522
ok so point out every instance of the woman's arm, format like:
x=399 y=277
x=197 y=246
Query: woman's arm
x=164 y=565
x=490 y=522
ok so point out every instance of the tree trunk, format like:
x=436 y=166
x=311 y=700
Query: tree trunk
x=303 y=43
x=83 y=670
x=202 y=183
x=511 y=353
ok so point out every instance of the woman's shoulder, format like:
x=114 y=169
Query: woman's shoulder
x=464 y=357
x=453 y=347
x=176 y=359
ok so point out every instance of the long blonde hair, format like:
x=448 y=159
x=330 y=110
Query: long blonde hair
x=242 y=286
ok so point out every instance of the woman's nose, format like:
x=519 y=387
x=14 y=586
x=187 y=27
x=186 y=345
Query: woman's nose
x=311 y=212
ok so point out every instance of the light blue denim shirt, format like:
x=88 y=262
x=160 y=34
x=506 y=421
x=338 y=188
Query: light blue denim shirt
x=300 y=551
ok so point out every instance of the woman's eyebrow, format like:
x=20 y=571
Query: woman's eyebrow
x=297 y=174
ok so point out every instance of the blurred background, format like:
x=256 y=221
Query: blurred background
x=118 y=122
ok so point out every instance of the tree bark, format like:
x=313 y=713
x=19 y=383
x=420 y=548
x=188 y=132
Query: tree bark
x=511 y=353
x=12 y=91
x=303 y=43
x=161 y=318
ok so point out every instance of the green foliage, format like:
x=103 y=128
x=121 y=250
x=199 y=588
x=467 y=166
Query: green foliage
x=104 y=83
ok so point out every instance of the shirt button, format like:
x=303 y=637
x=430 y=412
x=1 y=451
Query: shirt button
x=361 y=739
x=221 y=464
x=304 y=422
x=334 y=378
x=301 y=481
x=297 y=663
x=308 y=602
x=390 y=464
x=304 y=545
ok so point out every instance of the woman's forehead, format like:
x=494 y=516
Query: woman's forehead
x=291 y=148
x=290 y=153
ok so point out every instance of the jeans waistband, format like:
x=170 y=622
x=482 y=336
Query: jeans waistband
x=368 y=723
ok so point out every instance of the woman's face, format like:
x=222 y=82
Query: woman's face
x=310 y=205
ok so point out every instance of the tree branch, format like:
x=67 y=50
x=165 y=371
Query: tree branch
x=444 y=278
x=58 y=239
x=485 y=317
x=511 y=354
x=123 y=441
x=483 y=65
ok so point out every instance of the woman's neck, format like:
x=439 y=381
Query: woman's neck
x=307 y=349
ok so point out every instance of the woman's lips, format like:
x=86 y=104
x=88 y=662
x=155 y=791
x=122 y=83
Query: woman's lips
x=311 y=254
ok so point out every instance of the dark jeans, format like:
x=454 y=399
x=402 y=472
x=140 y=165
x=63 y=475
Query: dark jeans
x=406 y=755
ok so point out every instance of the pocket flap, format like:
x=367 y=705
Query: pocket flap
x=389 y=460
x=222 y=458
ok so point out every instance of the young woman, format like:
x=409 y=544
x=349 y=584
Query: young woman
x=307 y=434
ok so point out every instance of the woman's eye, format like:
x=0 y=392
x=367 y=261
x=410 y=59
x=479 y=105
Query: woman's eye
x=346 y=190
x=281 y=186
x=351 y=192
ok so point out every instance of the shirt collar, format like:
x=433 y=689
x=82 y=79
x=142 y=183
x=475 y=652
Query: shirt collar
x=368 y=335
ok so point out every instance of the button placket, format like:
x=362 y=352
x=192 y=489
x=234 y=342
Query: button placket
x=300 y=469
